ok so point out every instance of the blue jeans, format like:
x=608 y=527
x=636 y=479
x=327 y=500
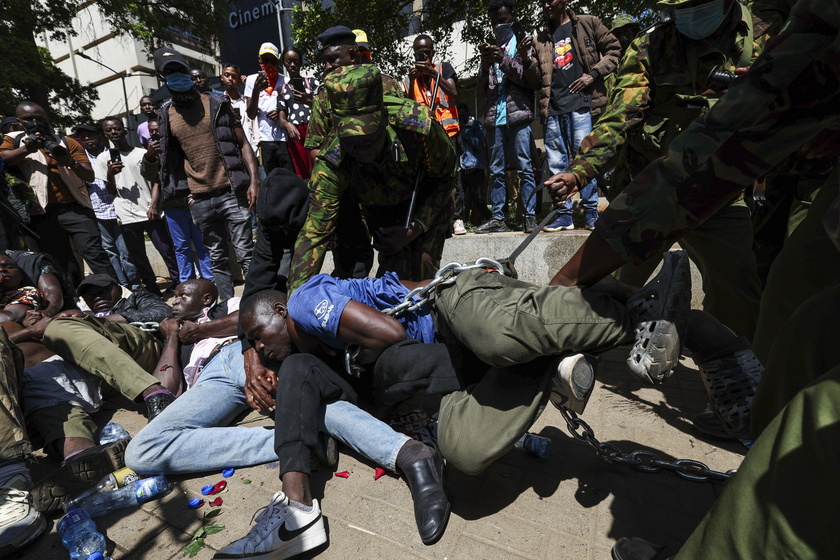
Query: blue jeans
x=114 y=245
x=184 y=233
x=511 y=139
x=222 y=217
x=192 y=434
x=563 y=135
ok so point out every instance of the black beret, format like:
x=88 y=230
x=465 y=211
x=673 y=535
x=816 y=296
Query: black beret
x=336 y=36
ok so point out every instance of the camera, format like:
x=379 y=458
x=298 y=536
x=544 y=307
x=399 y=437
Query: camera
x=419 y=56
x=719 y=80
x=48 y=141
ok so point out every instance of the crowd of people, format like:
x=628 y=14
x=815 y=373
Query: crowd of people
x=673 y=122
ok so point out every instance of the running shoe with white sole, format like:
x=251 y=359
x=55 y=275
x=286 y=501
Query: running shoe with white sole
x=280 y=531
x=20 y=522
x=659 y=313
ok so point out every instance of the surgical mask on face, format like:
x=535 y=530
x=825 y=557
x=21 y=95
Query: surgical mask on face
x=698 y=22
x=503 y=33
x=179 y=82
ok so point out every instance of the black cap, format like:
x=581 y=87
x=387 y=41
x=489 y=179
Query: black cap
x=89 y=128
x=7 y=124
x=98 y=280
x=282 y=201
x=167 y=55
x=336 y=36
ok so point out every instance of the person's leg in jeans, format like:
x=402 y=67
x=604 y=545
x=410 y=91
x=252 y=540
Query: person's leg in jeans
x=557 y=150
x=522 y=145
x=136 y=243
x=179 y=222
x=498 y=187
x=234 y=207
x=107 y=229
x=205 y=267
x=159 y=235
x=581 y=125
x=214 y=231
x=80 y=224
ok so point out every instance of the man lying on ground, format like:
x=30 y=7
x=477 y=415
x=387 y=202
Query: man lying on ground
x=514 y=345
x=61 y=391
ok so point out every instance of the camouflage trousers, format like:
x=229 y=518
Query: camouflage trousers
x=14 y=442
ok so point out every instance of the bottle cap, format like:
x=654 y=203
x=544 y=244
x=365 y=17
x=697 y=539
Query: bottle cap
x=227 y=473
x=206 y=489
x=96 y=556
x=195 y=503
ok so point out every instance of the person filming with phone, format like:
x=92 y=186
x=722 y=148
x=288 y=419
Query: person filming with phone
x=294 y=107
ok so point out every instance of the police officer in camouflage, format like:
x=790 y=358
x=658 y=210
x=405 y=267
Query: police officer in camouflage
x=383 y=150
x=352 y=254
x=660 y=90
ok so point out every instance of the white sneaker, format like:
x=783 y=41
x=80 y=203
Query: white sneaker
x=281 y=531
x=20 y=523
x=458 y=227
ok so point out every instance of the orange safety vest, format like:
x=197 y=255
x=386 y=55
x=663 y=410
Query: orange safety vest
x=446 y=111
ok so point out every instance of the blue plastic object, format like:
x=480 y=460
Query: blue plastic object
x=195 y=503
x=227 y=473
x=79 y=534
x=207 y=489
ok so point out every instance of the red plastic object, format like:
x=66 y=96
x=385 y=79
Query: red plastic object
x=218 y=487
x=343 y=474
x=217 y=502
x=379 y=473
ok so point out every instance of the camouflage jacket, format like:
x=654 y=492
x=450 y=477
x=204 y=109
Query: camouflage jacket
x=658 y=92
x=320 y=122
x=383 y=188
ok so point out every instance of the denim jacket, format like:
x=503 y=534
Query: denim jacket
x=472 y=142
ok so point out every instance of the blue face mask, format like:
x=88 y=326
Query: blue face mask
x=698 y=22
x=503 y=33
x=179 y=82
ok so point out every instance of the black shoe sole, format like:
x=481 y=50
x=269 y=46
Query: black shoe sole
x=77 y=474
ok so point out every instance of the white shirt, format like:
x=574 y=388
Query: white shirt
x=134 y=195
x=270 y=131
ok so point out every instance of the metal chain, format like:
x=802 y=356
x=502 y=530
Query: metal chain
x=645 y=461
x=147 y=326
x=444 y=276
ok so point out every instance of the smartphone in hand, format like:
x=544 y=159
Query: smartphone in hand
x=115 y=155
x=419 y=56
x=298 y=84
x=518 y=31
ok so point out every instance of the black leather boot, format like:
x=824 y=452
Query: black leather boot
x=431 y=504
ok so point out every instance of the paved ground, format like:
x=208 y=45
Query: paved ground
x=569 y=505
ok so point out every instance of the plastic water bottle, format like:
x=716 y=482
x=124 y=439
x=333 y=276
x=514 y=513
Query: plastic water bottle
x=79 y=535
x=111 y=481
x=133 y=494
x=111 y=433
x=534 y=444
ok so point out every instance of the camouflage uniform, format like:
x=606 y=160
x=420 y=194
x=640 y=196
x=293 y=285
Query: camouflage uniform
x=320 y=122
x=415 y=140
x=658 y=94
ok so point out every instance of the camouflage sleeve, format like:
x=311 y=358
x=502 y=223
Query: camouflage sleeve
x=392 y=87
x=765 y=116
x=327 y=184
x=441 y=168
x=629 y=100
x=319 y=122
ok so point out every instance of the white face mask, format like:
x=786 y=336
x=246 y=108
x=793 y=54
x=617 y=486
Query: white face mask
x=698 y=22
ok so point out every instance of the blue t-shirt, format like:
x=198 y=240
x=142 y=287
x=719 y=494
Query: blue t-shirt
x=316 y=307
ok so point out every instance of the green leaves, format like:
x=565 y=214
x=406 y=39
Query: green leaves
x=197 y=542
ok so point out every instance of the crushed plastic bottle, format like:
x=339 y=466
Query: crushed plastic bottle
x=79 y=534
x=111 y=433
x=111 y=481
x=534 y=444
x=136 y=493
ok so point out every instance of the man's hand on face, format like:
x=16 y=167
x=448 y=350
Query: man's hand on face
x=260 y=383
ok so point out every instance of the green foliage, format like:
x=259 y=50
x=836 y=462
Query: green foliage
x=385 y=22
x=28 y=71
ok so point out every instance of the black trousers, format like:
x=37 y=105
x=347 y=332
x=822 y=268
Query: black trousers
x=305 y=385
x=274 y=155
x=60 y=224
